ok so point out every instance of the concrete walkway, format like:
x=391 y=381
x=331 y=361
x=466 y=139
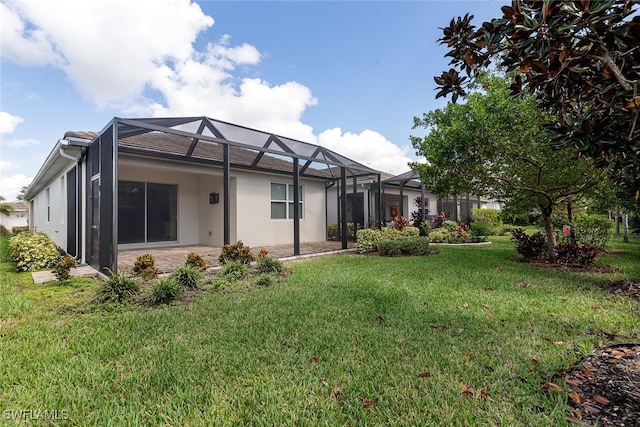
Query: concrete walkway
x=48 y=276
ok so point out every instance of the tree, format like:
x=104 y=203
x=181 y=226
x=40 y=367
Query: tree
x=5 y=208
x=22 y=192
x=496 y=145
x=580 y=59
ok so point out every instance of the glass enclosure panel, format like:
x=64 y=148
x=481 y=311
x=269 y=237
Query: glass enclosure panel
x=291 y=210
x=130 y=212
x=291 y=192
x=162 y=212
x=278 y=210
x=278 y=191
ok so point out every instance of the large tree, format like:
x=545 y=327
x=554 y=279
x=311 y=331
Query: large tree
x=581 y=60
x=495 y=144
x=5 y=208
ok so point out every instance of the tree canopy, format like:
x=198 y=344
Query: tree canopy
x=581 y=61
x=496 y=145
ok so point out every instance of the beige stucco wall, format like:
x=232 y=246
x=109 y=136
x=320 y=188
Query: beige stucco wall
x=255 y=226
x=55 y=225
x=202 y=223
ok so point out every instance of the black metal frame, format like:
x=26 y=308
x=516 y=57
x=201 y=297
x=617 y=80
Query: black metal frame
x=112 y=140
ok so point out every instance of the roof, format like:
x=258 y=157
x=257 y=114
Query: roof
x=201 y=140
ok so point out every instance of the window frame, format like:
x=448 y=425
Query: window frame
x=287 y=201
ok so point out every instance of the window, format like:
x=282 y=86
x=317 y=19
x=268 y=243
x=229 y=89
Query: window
x=282 y=201
x=147 y=212
x=48 y=200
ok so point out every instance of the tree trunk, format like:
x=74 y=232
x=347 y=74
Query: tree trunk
x=617 y=220
x=625 y=227
x=551 y=237
x=569 y=211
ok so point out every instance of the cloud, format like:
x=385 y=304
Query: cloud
x=140 y=57
x=368 y=147
x=10 y=185
x=19 y=143
x=8 y=122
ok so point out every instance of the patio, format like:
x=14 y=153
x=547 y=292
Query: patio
x=169 y=258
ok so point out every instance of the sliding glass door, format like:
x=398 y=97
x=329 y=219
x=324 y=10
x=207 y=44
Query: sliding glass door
x=147 y=212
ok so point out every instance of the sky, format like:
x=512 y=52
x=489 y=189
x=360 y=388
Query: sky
x=347 y=75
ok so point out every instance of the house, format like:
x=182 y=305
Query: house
x=146 y=183
x=18 y=217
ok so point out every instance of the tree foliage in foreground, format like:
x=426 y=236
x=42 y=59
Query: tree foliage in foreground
x=580 y=59
x=495 y=145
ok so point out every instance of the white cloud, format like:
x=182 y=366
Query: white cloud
x=5 y=165
x=368 y=147
x=118 y=52
x=10 y=185
x=19 y=143
x=8 y=122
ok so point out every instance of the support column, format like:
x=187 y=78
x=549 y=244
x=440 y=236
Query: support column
x=296 y=207
x=379 y=204
x=343 y=205
x=226 y=198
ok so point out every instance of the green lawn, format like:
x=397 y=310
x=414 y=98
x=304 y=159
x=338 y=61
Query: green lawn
x=345 y=340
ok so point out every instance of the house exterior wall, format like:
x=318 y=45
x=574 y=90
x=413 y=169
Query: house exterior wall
x=256 y=228
x=49 y=213
x=17 y=218
x=202 y=223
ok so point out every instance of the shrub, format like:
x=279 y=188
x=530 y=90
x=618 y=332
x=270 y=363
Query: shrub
x=571 y=252
x=236 y=252
x=62 y=269
x=17 y=229
x=529 y=247
x=265 y=280
x=264 y=252
x=269 y=265
x=490 y=218
x=333 y=231
x=188 y=276
x=593 y=230
x=367 y=240
x=4 y=232
x=408 y=245
x=195 y=260
x=234 y=270
x=164 y=291
x=439 y=235
x=117 y=288
x=400 y=222
x=480 y=229
x=145 y=267
x=33 y=251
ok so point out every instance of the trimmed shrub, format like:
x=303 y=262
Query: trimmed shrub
x=529 y=247
x=367 y=240
x=333 y=231
x=188 y=276
x=4 y=232
x=400 y=222
x=480 y=229
x=164 y=291
x=145 y=267
x=62 y=269
x=17 y=229
x=490 y=218
x=439 y=235
x=265 y=280
x=572 y=252
x=236 y=252
x=269 y=265
x=33 y=251
x=195 y=260
x=117 y=288
x=407 y=245
x=593 y=230
x=234 y=270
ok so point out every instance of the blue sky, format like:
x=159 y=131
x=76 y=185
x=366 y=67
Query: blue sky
x=347 y=75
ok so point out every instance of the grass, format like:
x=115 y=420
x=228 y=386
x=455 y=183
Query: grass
x=345 y=340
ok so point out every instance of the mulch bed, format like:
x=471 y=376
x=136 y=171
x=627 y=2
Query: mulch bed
x=605 y=387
